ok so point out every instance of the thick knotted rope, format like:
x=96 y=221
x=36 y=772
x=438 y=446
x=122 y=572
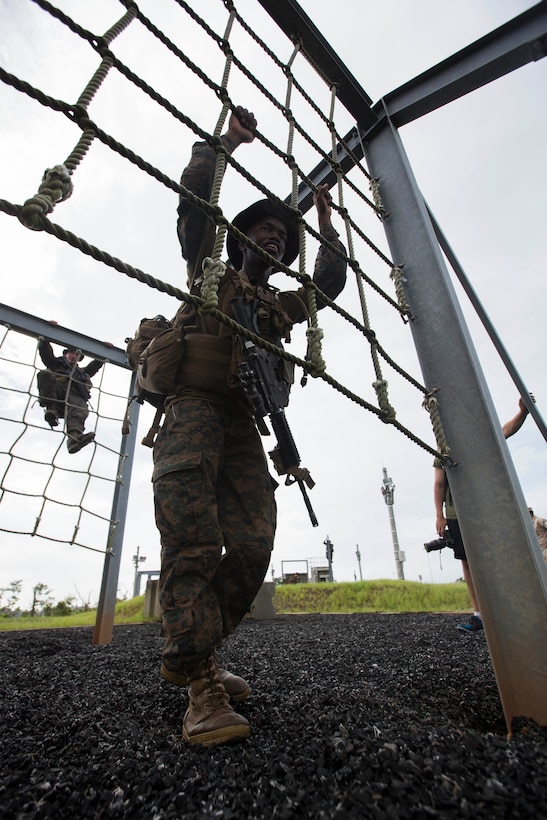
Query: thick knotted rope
x=431 y=404
x=213 y=271
x=53 y=188
x=212 y=266
x=398 y=278
x=56 y=186
x=380 y=384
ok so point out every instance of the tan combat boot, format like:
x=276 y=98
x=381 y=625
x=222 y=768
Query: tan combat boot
x=236 y=687
x=209 y=718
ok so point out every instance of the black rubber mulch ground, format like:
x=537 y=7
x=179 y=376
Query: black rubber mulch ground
x=352 y=716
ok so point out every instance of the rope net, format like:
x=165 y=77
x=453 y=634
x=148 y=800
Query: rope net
x=188 y=70
x=44 y=491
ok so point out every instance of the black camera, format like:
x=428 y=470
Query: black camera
x=439 y=543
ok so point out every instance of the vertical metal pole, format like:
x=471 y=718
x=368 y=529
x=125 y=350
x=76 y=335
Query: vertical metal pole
x=388 y=491
x=358 y=554
x=107 y=600
x=328 y=552
x=137 y=559
x=508 y=569
x=489 y=327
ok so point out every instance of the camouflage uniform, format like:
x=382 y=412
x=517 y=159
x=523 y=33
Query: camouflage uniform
x=53 y=384
x=214 y=497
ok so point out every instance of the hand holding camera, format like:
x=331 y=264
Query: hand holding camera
x=439 y=543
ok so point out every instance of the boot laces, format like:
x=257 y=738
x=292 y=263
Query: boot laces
x=216 y=687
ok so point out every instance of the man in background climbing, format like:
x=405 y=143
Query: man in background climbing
x=214 y=496
x=65 y=389
x=446 y=519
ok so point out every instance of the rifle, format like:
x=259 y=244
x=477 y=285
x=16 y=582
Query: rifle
x=267 y=393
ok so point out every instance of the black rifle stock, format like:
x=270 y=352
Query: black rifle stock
x=268 y=394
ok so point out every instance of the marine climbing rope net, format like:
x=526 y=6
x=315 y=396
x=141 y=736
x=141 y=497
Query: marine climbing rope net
x=37 y=474
x=59 y=183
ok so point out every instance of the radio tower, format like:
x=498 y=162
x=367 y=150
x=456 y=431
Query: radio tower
x=388 y=490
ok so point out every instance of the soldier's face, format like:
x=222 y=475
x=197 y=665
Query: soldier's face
x=72 y=357
x=270 y=234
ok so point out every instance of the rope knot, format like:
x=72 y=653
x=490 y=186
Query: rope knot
x=226 y=48
x=374 y=186
x=100 y=44
x=80 y=114
x=314 y=336
x=398 y=278
x=223 y=95
x=388 y=412
x=56 y=186
x=431 y=404
x=213 y=270
x=217 y=145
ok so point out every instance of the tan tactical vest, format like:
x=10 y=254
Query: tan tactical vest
x=211 y=352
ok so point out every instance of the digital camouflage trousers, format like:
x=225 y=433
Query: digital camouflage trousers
x=216 y=513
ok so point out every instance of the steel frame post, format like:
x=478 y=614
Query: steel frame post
x=508 y=569
x=106 y=608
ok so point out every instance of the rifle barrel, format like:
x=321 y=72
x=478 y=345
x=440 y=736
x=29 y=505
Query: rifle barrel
x=307 y=502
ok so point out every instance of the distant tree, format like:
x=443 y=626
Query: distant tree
x=41 y=596
x=11 y=594
x=85 y=606
x=64 y=607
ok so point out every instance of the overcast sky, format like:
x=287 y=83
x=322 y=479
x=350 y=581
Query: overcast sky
x=481 y=163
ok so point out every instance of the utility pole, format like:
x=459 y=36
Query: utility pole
x=358 y=554
x=328 y=552
x=388 y=490
x=137 y=559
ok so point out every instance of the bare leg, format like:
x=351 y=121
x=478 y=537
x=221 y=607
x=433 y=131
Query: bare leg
x=470 y=586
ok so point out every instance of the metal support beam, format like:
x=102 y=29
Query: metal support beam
x=35 y=327
x=488 y=326
x=107 y=599
x=518 y=42
x=514 y=44
x=506 y=563
x=298 y=27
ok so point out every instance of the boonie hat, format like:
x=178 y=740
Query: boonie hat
x=253 y=214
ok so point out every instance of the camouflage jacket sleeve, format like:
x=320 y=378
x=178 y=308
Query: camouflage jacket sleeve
x=47 y=355
x=329 y=275
x=330 y=269
x=93 y=367
x=196 y=231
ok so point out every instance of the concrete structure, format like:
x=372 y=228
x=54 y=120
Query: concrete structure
x=262 y=606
